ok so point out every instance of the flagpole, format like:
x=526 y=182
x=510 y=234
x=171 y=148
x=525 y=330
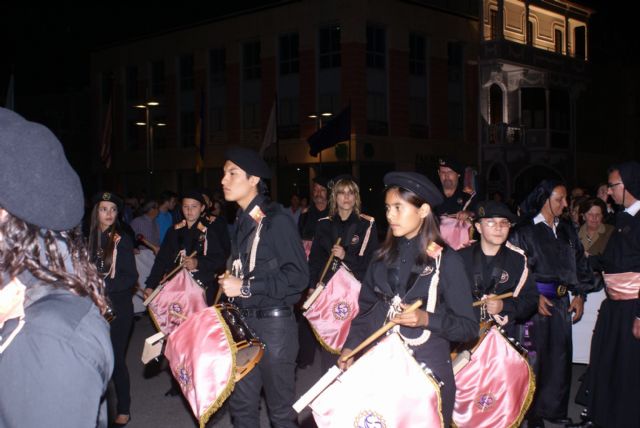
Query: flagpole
x=277 y=147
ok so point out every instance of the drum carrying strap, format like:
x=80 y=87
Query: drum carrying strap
x=484 y=286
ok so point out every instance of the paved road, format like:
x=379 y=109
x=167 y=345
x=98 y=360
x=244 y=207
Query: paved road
x=151 y=409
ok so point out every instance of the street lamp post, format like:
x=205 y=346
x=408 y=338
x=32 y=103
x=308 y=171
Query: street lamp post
x=149 y=125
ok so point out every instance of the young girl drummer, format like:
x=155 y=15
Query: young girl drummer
x=414 y=263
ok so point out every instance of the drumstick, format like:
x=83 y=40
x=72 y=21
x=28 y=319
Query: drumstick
x=164 y=281
x=219 y=293
x=320 y=285
x=148 y=244
x=382 y=330
x=499 y=297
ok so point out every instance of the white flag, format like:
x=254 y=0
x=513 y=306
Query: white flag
x=271 y=133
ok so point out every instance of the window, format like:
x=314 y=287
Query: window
x=377 y=113
x=579 y=42
x=288 y=118
x=132 y=83
x=186 y=73
x=455 y=89
x=533 y=101
x=217 y=66
x=289 y=60
x=157 y=78
x=187 y=128
x=250 y=115
x=376 y=47
x=329 y=49
x=417 y=55
x=558 y=40
x=493 y=23
x=418 y=117
x=251 y=60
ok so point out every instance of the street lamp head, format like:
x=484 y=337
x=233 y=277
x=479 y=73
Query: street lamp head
x=312 y=116
x=161 y=124
x=141 y=123
x=153 y=103
x=327 y=114
x=140 y=106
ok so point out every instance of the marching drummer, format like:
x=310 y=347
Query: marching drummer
x=358 y=235
x=457 y=201
x=498 y=267
x=194 y=233
x=414 y=263
x=269 y=274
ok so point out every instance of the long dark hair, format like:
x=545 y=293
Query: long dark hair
x=429 y=232
x=24 y=246
x=95 y=249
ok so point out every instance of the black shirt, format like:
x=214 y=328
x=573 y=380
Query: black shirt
x=126 y=273
x=281 y=272
x=456 y=203
x=308 y=221
x=355 y=231
x=181 y=237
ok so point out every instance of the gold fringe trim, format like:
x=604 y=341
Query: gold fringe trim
x=528 y=399
x=215 y=406
x=323 y=343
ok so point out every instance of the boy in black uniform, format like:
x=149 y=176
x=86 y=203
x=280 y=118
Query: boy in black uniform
x=558 y=265
x=359 y=239
x=194 y=233
x=497 y=267
x=270 y=272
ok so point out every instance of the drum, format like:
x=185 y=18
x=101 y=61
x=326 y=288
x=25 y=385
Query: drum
x=494 y=382
x=456 y=233
x=386 y=387
x=249 y=349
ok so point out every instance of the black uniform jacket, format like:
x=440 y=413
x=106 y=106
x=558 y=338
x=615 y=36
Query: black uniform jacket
x=623 y=249
x=455 y=203
x=353 y=232
x=504 y=273
x=453 y=319
x=126 y=273
x=308 y=221
x=281 y=272
x=561 y=260
x=182 y=237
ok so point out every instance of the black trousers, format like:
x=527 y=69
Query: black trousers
x=275 y=373
x=308 y=342
x=122 y=306
x=551 y=339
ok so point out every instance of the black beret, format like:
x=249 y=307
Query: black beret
x=416 y=183
x=37 y=183
x=630 y=174
x=249 y=160
x=108 y=197
x=322 y=181
x=492 y=209
x=451 y=163
x=194 y=194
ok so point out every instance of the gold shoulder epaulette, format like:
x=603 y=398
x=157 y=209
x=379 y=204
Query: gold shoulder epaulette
x=211 y=218
x=180 y=224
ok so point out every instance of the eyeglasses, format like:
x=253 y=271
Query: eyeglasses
x=612 y=185
x=494 y=223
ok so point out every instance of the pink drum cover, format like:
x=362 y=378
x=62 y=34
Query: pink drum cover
x=307 y=247
x=202 y=359
x=455 y=232
x=384 y=388
x=179 y=298
x=331 y=314
x=495 y=388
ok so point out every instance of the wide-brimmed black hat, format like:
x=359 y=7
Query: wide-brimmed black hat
x=416 y=183
x=249 y=160
x=37 y=183
x=108 y=197
x=494 y=209
x=321 y=180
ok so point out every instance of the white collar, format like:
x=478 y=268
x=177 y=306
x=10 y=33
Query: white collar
x=540 y=219
x=633 y=208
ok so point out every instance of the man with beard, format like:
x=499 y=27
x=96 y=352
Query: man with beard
x=318 y=209
x=457 y=202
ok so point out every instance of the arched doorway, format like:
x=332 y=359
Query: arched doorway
x=495 y=104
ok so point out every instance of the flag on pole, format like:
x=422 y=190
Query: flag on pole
x=333 y=132
x=200 y=136
x=10 y=102
x=105 y=144
x=271 y=133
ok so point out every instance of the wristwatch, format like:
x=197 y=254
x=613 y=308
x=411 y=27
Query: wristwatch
x=245 y=289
